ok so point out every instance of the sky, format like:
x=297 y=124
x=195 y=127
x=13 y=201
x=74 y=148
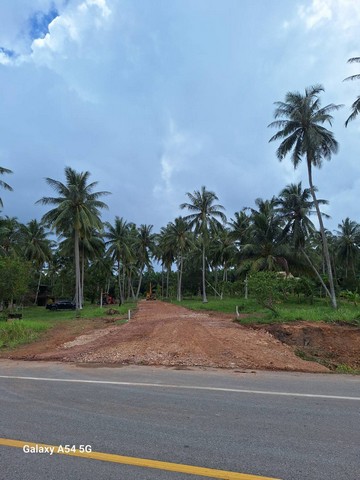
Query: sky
x=157 y=98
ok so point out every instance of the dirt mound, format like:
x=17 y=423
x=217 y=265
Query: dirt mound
x=165 y=334
x=334 y=345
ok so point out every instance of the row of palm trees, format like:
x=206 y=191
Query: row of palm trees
x=276 y=234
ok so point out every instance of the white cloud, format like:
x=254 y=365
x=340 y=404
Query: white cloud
x=178 y=152
x=4 y=59
x=344 y=14
x=318 y=12
x=69 y=31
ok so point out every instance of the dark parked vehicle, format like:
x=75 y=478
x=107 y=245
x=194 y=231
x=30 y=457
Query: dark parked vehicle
x=61 y=305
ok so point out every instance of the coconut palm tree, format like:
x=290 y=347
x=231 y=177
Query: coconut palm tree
x=222 y=254
x=145 y=244
x=10 y=236
x=205 y=215
x=3 y=184
x=348 y=244
x=36 y=247
x=177 y=239
x=165 y=253
x=300 y=121
x=119 y=249
x=239 y=227
x=295 y=205
x=356 y=105
x=266 y=247
x=76 y=212
x=91 y=247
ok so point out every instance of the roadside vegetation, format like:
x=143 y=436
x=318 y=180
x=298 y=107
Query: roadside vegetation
x=37 y=320
x=291 y=310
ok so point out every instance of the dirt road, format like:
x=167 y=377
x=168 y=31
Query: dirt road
x=164 y=334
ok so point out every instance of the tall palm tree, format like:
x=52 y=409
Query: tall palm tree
x=204 y=215
x=223 y=253
x=348 y=244
x=3 y=184
x=119 y=249
x=300 y=121
x=239 y=227
x=356 y=105
x=165 y=253
x=178 y=240
x=91 y=247
x=76 y=212
x=36 y=247
x=295 y=207
x=145 y=243
x=266 y=248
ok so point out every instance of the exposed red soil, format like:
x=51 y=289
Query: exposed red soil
x=163 y=334
x=334 y=344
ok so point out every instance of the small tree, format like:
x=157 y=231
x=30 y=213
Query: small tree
x=266 y=288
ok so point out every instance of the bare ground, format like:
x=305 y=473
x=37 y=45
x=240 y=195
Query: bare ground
x=164 y=334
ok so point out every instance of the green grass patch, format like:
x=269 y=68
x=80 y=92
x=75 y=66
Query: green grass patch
x=288 y=311
x=347 y=370
x=21 y=331
x=226 y=305
x=37 y=320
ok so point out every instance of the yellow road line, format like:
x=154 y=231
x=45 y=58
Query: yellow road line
x=141 y=462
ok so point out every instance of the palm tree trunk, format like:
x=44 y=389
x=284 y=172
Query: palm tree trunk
x=167 y=281
x=203 y=273
x=82 y=274
x=78 y=295
x=162 y=280
x=37 y=289
x=140 y=280
x=180 y=280
x=121 y=295
x=331 y=294
x=315 y=271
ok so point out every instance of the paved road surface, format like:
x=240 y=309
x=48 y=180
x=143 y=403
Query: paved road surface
x=278 y=425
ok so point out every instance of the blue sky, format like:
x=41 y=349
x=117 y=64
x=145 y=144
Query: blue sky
x=157 y=98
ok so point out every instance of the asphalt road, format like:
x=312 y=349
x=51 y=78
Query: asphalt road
x=278 y=425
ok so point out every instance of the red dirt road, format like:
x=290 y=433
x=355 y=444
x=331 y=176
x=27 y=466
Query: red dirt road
x=163 y=334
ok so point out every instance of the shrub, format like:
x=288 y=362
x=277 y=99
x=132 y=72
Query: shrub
x=267 y=288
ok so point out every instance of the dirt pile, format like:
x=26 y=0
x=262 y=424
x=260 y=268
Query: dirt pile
x=334 y=345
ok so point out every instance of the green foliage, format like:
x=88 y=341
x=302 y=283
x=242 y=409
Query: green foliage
x=347 y=370
x=20 y=331
x=353 y=297
x=266 y=287
x=14 y=278
x=37 y=320
x=289 y=310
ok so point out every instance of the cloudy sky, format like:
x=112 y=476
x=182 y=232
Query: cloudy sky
x=157 y=98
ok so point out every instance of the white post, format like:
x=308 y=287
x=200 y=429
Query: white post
x=129 y=315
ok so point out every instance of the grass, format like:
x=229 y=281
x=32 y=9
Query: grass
x=37 y=320
x=21 y=331
x=346 y=369
x=289 y=311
